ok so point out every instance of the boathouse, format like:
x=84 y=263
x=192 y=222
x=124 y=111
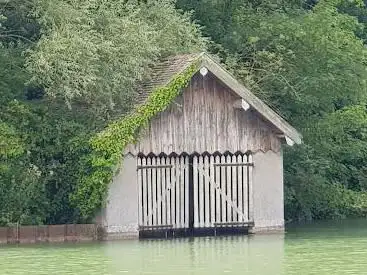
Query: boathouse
x=212 y=160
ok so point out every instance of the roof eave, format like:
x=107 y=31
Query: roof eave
x=275 y=119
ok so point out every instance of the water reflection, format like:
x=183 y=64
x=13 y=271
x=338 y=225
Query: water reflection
x=260 y=254
x=338 y=248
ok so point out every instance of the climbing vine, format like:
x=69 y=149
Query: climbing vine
x=108 y=145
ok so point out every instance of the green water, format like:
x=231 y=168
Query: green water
x=325 y=248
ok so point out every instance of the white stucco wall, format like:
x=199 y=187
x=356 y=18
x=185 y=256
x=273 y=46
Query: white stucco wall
x=121 y=213
x=268 y=191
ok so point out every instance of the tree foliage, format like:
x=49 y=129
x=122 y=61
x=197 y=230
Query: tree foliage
x=97 y=51
x=90 y=55
x=69 y=68
x=307 y=60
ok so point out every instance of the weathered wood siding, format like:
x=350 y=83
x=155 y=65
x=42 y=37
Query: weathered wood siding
x=203 y=119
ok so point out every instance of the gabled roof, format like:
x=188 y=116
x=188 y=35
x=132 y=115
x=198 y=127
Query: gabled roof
x=163 y=73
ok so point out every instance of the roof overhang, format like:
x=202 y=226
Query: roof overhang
x=249 y=100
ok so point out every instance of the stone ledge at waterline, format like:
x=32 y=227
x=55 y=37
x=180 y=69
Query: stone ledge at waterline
x=51 y=233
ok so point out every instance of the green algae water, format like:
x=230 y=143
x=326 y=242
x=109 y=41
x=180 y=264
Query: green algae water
x=323 y=248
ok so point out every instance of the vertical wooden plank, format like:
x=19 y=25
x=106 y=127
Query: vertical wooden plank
x=250 y=190
x=218 y=132
x=196 y=191
x=159 y=192
x=213 y=100
x=245 y=188
x=145 y=191
x=149 y=195
x=178 y=189
x=199 y=118
x=182 y=191
x=196 y=129
x=206 y=192
x=205 y=130
x=186 y=192
x=223 y=185
x=174 y=118
x=217 y=191
x=140 y=192
x=154 y=191
x=229 y=189
x=168 y=193
x=234 y=189
x=173 y=192
x=164 y=192
x=240 y=189
x=153 y=138
x=186 y=128
x=212 y=191
x=201 y=191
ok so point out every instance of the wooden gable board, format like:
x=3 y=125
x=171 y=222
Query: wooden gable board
x=165 y=71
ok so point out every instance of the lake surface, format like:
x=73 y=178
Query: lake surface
x=323 y=248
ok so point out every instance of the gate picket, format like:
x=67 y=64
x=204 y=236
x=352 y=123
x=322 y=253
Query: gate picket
x=229 y=190
x=154 y=193
x=217 y=191
x=240 y=189
x=201 y=192
x=168 y=192
x=186 y=187
x=206 y=193
x=245 y=201
x=173 y=192
x=222 y=190
x=182 y=191
x=159 y=193
x=212 y=192
x=149 y=195
x=164 y=192
x=196 y=193
x=234 y=188
x=178 y=188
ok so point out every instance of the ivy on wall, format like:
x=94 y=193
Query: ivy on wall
x=108 y=145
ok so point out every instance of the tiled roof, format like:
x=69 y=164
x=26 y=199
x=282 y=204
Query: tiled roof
x=163 y=72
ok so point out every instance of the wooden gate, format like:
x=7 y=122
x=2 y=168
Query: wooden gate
x=222 y=190
x=163 y=184
x=201 y=191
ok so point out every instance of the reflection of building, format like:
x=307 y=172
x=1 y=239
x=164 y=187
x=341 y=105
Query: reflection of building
x=258 y=254
x=211 y=160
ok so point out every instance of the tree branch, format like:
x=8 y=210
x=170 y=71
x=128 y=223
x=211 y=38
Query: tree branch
x=16 y=36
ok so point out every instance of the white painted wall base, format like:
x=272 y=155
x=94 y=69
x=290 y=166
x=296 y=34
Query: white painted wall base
x=121 y=213
x=268 y=190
